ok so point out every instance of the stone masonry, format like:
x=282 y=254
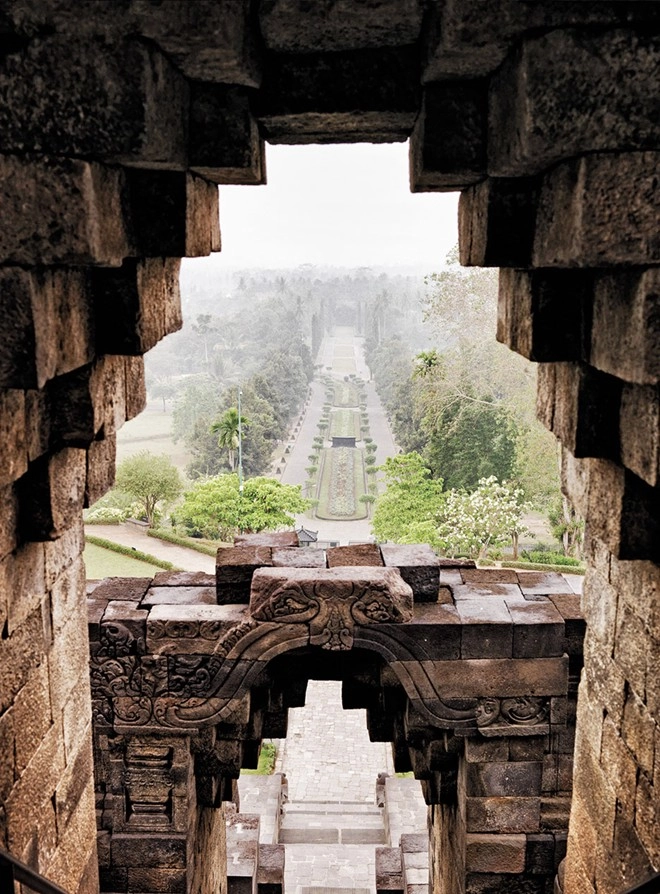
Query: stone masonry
x=476 y=691
x=117 y=122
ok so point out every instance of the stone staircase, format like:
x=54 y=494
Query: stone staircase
x=332 y=822
x=332 y=847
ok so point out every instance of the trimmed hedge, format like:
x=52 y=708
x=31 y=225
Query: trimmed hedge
x=178 y=540
x=539 y=566
x=129 y=551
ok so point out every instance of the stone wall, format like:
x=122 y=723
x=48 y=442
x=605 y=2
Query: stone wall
x=116 y=122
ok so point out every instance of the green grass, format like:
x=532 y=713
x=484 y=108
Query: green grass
x=266 y=764
x=152 y=431
x=344 y=424
x=101 y=562
x=130 y=551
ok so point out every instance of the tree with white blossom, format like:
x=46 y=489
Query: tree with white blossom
x=489 y=516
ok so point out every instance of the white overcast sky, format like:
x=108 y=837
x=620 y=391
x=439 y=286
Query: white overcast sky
x=344 y=205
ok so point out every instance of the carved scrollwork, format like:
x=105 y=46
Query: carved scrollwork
x=519 y=711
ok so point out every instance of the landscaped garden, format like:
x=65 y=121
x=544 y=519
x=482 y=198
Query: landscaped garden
x=343 y=394
x=341 y=484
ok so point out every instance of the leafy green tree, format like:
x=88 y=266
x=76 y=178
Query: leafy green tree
x=567 y=526
x=216 y=509
x=411 y=496
x=469 y=441
x=490 y=515
x=151 y=480
x=227 y=429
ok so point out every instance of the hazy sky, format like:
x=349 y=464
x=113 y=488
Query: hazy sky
x=345 y=205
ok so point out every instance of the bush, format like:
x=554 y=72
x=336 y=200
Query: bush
x=549 y=557
x=105 y=515
x=370 y=460
x=371 y=447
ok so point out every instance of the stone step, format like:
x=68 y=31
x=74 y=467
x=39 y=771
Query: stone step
x=344 y=836
x=330 y=807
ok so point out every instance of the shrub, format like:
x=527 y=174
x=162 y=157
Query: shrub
x=105 y=515
x=370 y=460
x=549 y=557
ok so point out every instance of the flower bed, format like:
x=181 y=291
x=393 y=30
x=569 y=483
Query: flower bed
x=341 y=484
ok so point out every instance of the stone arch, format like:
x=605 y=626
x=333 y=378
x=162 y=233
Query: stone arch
x=479 y=731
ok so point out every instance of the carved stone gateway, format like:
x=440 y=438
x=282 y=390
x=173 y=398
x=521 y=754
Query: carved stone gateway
x=475 y=690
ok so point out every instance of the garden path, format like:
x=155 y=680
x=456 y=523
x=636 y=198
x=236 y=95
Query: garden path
x=294 y=471
x=136 y=538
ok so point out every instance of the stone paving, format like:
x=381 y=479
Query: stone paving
x=330 y=765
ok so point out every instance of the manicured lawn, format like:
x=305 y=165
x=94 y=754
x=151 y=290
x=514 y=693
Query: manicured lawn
x=100 y=563
x=345 y=424
x=152 y=431
x=345 y=395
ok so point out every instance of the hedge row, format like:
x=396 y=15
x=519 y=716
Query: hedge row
x=188 y=542
x=539 y=566
x=129 y=551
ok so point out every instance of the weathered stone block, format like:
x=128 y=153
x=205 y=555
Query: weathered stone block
x=136 y=305
x=225 y=144
x=234 y=569
x=487 y=630
x=418 y=566
x=32 y=716
x=517 y=779
x=496 y=223
x=332 y=600
x=124 y=102
x=52 y=494
x=504 y=814
x=638 y=729
x=295 y=557
x=501 y=677
x=207 y=42
x=135 y=387
x=282 y=539
x=552 y=99
x=580 y=406
x=448 y=144
x=196 y=629
x=23 y=583
x=101 y=458
x=34 y=789
x=162 y=881
x=129 y=616
x=46 y=325
x=354 y=554
x=173 y=214
x=288 y=26
x=495 y=853
x=61 y=212
x=181 y=595
x=640 y=432
x=8 y=525
x=598 y=211
x=538 y=630
x=12 y=436
x=625 y=337
x=545 y=315
x=349 y=96
x=148 y=851
x=433 y=633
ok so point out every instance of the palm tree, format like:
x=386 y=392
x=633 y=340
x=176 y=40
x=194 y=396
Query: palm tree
x=226 y=429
